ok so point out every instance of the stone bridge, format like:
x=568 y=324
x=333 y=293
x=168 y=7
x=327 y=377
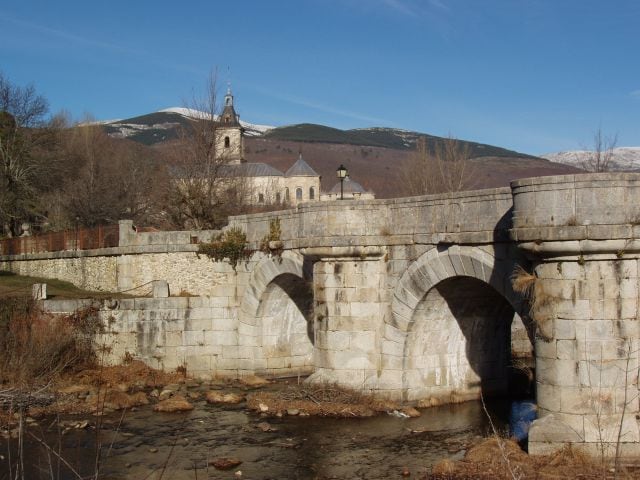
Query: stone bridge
x=410 y=299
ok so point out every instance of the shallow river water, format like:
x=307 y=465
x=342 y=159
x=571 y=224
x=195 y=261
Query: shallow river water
x=143 y=444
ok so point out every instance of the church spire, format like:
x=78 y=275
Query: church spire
x=229 y=116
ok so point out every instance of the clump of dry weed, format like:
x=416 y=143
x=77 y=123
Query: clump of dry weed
x=38 y=346
x=325 y=400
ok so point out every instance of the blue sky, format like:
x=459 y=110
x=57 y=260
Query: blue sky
x=532 y=75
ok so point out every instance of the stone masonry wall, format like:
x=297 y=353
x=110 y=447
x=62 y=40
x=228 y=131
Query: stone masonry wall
x=581 y=233
x=96 y=273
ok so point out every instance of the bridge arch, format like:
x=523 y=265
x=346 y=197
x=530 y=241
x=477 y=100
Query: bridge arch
x=275 y=332
x=449 y=334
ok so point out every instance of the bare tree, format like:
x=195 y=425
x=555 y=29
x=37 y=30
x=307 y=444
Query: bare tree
x=445 y=168
x=204 y=189
x=599 y=158
x=27 y=141
x=113 y=179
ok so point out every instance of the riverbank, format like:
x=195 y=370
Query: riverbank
x=262 y=430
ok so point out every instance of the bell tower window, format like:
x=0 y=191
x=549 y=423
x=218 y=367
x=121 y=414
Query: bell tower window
x=227 y=142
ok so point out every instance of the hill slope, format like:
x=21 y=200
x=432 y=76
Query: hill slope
x=165 y=125
x=378 y=137
x=374 y=156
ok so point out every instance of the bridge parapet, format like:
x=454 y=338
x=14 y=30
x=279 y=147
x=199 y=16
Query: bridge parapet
x=480 y=216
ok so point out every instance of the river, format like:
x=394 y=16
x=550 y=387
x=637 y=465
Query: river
x=143 y=444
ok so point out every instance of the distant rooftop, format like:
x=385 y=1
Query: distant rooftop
x=349 y=186
x=230 y=170
x=301 y=169
x=250 y=170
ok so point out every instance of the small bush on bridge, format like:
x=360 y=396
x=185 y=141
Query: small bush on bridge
x=231 y=244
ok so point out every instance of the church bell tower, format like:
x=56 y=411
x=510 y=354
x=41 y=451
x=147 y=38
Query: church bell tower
x=229 y=133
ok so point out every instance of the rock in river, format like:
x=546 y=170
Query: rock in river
x=177 y=403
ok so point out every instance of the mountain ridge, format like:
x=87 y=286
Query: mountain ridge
x=623 y=158
x=165 y=125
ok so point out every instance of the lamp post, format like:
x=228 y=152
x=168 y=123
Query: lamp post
x=77 y=221
x=342 y=173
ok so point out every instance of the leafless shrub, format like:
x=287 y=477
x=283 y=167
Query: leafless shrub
x=440 y=167
x=38 y=346
x=600 y=156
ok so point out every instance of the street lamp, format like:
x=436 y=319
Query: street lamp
x=77 y=221
x=342 y=173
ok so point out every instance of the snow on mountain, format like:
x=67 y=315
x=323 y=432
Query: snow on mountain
x=186 y=112
x=251 y=129
x=624 y=158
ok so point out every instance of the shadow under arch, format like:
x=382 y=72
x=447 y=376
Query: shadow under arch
x=451 y=324
x=275 y=332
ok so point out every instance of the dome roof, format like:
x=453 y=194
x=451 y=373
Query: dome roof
x=350 y=186
x=301 y=169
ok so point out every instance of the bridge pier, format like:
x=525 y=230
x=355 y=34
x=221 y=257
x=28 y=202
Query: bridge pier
x=349 y=305
x=580 y=231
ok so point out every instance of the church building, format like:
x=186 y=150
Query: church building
x=267 y=185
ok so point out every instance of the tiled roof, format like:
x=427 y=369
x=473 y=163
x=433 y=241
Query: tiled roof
x=350 y=186
x=301 y=169
x=250 y=170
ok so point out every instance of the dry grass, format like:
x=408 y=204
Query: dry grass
x=486 y=461
x=37 y=346
x=529 y=286
x=319 y=400
x=523 y=282
x=133 y=372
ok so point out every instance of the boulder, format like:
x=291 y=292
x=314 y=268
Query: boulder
x=218 y=397
x=411 y=412
x=225 y=463
x=177 y=403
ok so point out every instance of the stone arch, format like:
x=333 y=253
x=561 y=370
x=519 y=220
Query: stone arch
x=450 y=325
x=435 y=266
x=275 y=332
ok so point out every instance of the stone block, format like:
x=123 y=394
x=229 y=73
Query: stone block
x=337 y=340
x=361 y=309
x=276 y=362
x=192 y=338
x=230 y=351
x=599 y=329
x=301 y=349
x=598 y=374
x=199 y=363
x=557 y=372
x=390 y=380
x=548 y=396
x=39 y=291
x=578 y=310
x=546 y=349
x=340 y=360
x=392 y=348
x=221 y=338
x=604 y=428
x=555 y=428
x=566 y=349
x=160 y=288
x=564 y=329
x=200 y=313
x=363 y=341
x=173 y=339
x=200 y=324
